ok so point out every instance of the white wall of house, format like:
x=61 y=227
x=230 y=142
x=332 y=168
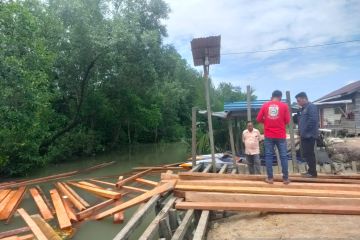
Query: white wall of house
x=331 y=117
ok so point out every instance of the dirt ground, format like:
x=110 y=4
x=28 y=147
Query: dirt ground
x=285 y=226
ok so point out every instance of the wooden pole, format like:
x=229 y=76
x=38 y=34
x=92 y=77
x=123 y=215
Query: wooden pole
x=231 y=135
x=208 y=108
x=193 y=129
x=292 y=137
x=248 y=99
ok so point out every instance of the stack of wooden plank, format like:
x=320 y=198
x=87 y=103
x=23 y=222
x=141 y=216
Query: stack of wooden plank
x=234 y=192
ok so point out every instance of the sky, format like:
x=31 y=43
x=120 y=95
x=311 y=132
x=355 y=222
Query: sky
x=257 y=25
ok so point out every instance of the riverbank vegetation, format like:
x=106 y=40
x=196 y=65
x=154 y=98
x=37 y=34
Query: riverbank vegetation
x=85 y=76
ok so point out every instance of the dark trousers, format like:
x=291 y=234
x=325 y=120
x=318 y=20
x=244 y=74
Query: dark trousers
x=307 y=147
x=254 y=163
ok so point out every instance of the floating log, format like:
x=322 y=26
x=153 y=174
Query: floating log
x=53 y=177
x=61 y=214
x=98 y=191
x=150 y=231
x=271 y=207
x=136 y=219
x=271 y=191
x=90 y=211
x=80 y=199
x=147 y=182
x=40 y=203
x=32 y=225
x=141 y=198
x=45 y=228
x=118 y=217
x=71 y=197
x=14 y=232
x=132 y=178
x=12 y=205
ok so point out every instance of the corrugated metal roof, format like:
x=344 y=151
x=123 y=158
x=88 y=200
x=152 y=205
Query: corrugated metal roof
x=242 y=105
x=348 y=89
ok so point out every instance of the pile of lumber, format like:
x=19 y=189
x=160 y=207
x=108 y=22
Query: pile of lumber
x=234 y=192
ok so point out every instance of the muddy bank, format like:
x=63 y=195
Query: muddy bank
x=256 y=225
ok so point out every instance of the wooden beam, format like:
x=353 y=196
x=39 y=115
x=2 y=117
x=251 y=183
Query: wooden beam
x=68 y=208
x=67 y=193
x=223 y=169
x=136 y=219
x=14 y=232
x=201 y=228
x=135 y=189
x=26 y=237
x=80 y=199
x=45 y=228
x=90 y=211
x=32 y=225
x=272 y=191
x=12 y=205
x=261 y=198
x=118 y=217
x=4 y=193
x=132 y=178
x=184 y=225
x=90 y=184
x=193 y=136
x=103 y=182
x=61 y=214
x=248 y=183
x=147 y=182
x=271 y=207
x=6 y=200
x=141 y=198
x=97 y=191
x=154 y=169
x=40 y=203
x=46 y=200
x=150 y=231
x=292 y=137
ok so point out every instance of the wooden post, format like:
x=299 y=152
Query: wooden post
x=292 y=137
x=193 y=136
x=231 y=135
x=248 y=99
x=208 y=108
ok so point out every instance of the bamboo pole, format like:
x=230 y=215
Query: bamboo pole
x=248 y=100
x=292 y=137
x=193 y=136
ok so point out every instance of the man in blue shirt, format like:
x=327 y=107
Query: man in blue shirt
x=308 y=122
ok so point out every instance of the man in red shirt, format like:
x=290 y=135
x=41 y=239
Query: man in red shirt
x=275 y=116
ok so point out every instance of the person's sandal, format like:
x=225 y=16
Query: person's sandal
x=286 y=181
x=269 y=181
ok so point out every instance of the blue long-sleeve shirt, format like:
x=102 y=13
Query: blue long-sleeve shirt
x=309 y=121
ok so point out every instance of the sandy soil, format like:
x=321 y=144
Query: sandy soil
x=285 y=226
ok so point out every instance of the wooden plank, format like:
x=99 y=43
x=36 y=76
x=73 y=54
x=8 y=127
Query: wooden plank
x=80 y=199
x=141 y=198
x=147 y=182
x=260 y=198
x=118 y=217
x=46 y=200
x=157 y=168
x=4 y=193
x=69 y=210
x=132 y=178
x=181 y=230
x=136 y=219
x=150 y=231
x=97 y=191
x=271 y=207
x=45 y=228
x=103 y=182
x=14 y=232
x=247 y=183
x=71 y=197
x=135 y=189
x=91 y=210
x=204 y=176
x=26 y=237
x=11 y=206
x=6 y=200
x=201 y=228
x=61 y=214
x=90 y=184
x=271 y=191
x=11 y=238
x=223 y=169
x=32 y=225
x=40 y=203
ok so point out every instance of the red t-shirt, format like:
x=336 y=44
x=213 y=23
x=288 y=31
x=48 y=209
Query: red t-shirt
x=275 y=116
